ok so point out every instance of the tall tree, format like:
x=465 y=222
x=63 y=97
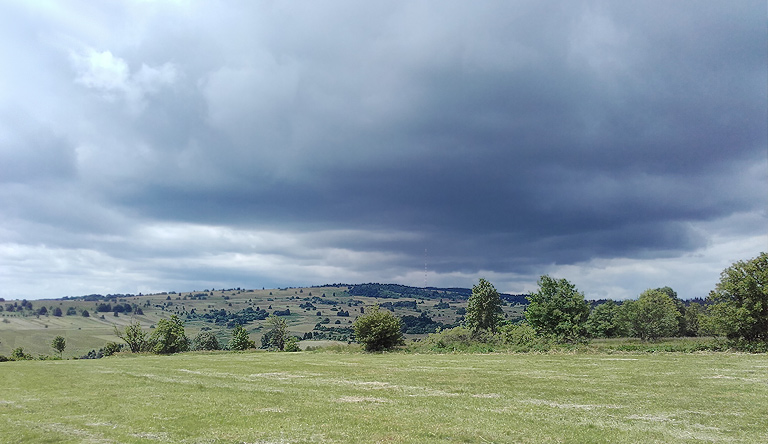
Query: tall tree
x=603 y=321
x=740 y=300
x=653 y=315
x=558 y=309
x=278 y=334
x=484 y=307
x=680 y=305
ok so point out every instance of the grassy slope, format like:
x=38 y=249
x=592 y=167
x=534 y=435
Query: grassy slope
x=399 y=398
x=83 y=334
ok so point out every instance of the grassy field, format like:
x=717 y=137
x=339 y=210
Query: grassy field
x=34 y=333
x=260 y=397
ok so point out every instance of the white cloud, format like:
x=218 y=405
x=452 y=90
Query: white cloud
x=111 y=76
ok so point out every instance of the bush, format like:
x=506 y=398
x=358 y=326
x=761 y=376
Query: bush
x=110 y=348
x=206 y=340
x=378 y=330
x=523 y=338
x=292 y=344
x=18 y=355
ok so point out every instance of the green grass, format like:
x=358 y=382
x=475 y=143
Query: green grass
x=261 y=397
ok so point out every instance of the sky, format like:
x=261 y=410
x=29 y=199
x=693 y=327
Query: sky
x=151 y=146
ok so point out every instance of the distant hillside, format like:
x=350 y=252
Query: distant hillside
x=395 y=291
x=319 y=313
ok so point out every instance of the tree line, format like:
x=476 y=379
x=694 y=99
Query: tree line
x=557 y=312
x=736 y=309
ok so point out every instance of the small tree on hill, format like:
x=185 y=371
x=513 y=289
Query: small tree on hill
x=378 y=330
x=484 y=307
x=240 y=339
x=59 y=344
x=558 y=309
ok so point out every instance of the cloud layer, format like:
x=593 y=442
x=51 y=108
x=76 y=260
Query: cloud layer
x=152 y=146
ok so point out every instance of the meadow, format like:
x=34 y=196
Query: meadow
x=307 y=306
x=317 y=397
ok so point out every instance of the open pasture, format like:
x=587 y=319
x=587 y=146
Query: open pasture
x=34 y=333
x=259 y=397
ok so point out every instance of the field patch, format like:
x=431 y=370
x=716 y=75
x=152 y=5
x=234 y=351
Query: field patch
x=400 y=398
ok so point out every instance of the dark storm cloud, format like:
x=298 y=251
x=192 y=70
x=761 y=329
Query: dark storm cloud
x=506 y=138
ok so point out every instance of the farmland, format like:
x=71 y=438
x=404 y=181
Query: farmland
x=333 y=307
x=262 y=397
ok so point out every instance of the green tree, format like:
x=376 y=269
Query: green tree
x=604 y=321
x=57 y=312
x=169 y=336
x=739 y=307
x=484 y=307
x=378 y=330
x=292 y=344
x=558 y=309
x=206 y=340
x=693 y=314
x=59 y=344
x=240 y=339
x=653 y=315
x=278 y=333
x=134 y=336
x=680 y=305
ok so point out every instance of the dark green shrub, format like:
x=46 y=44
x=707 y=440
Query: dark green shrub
x=378 y=330
x=206 y=340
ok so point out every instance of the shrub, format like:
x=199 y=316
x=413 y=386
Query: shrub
x=18 y=355
x=292 y=344
x=110 y=348
x=523 y=338
x=206 y=340
x=378 y=330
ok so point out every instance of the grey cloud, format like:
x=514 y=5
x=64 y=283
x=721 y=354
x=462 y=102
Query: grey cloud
x=504 y=137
